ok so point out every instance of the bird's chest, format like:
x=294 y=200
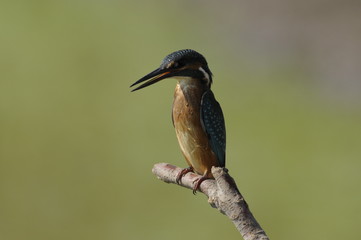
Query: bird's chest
x=187 y=120
x=186 y=108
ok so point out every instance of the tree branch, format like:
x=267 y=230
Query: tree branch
x=222 y=194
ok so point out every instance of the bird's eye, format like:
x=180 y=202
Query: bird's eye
x=175 y=64
x=172 y=65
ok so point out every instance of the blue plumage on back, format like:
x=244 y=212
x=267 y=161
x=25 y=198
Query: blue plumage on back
x=213 y=123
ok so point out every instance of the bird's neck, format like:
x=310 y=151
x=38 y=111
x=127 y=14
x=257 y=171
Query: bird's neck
x=191 y=84
x=191 y=89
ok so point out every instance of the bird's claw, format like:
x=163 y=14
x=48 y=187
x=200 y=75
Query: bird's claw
x=197 y=183
x=182 y=173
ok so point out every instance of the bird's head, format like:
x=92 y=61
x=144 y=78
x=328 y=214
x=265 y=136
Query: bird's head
x=185 y=63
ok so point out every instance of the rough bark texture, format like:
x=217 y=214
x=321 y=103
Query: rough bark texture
x=222 y=194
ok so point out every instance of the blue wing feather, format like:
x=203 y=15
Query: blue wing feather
x=213 y=123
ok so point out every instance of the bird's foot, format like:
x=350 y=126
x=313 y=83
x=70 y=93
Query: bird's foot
x=197 y=183
x=182 y=173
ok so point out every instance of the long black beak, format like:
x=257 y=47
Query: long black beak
x=153 y=77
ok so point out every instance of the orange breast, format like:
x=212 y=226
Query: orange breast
x=192 y=139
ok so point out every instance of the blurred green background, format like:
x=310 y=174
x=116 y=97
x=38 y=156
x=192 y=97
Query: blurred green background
x=77 y=148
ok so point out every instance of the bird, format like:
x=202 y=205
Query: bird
x=196 y=115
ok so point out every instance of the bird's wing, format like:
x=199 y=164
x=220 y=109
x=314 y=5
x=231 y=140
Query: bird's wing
x=213 y=123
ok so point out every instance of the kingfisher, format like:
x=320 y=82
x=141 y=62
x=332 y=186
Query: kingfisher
x=196 y=115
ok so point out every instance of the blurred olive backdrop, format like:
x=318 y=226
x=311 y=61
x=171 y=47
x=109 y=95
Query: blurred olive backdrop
x=77 y=148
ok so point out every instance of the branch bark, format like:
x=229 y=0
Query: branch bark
x=222 y=194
